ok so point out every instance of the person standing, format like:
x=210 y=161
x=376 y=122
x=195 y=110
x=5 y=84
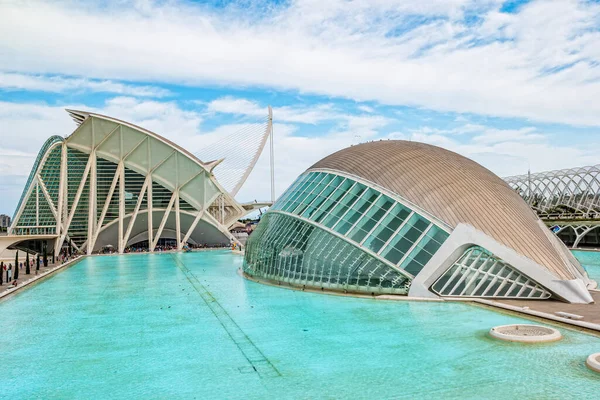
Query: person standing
x=9 y=273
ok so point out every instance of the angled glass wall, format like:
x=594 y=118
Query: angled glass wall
x=374 y=221
x=478 y=273
x=330 y=231
x=287 y=249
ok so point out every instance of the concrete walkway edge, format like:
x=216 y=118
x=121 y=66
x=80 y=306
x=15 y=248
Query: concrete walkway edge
x=45 y=274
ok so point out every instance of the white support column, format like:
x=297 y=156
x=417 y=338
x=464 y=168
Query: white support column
x=136 y=210
x=109 y=197
x=62 y=195
x=121 y=206
x=272 y=156
x=150 y=210
x=92 y=203
x=163 y=221
x=91 y=193
x=222 y=209
x=37 y=204
x=192 y=227
x=176 y=194
x=76 y=200
x=47 y=196
x=149 y=198
x=178 y=221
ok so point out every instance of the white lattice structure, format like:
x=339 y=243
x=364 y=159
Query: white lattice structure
x=568 y=200
x=561 y=194
x=113 y=183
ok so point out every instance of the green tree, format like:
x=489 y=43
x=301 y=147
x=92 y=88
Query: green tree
x=27 y=270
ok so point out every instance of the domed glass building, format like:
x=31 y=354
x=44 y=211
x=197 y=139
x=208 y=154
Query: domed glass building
x=407 y=218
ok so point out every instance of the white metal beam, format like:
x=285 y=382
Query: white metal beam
x=163 y=221
x=113 y=185
x=121 y=206
x=62 y=189
x=136 y=210
x=92 y=201
x=192 y=227
x=47 y=196
x=178 y=221
x=76 y=200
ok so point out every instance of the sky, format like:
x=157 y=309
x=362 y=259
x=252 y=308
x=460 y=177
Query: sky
x=514 y=85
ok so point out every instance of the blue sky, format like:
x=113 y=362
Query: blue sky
x=511 y=84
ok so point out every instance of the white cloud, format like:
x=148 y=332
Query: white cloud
x=59 y=84
x=539 y=63
x=506 y=152
x=294 y=153
x=298 y=114
x=232 y=105
x=361 y=124
x=512 y=151
x=492 y=135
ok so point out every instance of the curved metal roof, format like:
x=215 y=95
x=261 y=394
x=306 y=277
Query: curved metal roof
x=456 y=190
x=116 y=140
x=80 y=116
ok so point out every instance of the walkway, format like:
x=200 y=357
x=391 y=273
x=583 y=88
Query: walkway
x=24 y=279
x=548 y=309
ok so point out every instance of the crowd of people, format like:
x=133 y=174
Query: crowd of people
x=9 y=273
x=173 y=247
x=8 y=270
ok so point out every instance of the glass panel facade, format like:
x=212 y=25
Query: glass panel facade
x=287 y=249
x=479 y=273
x=37 y=216
x=365 y=216
x=53 y=140
x=50 y=173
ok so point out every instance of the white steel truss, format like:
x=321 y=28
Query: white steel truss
x=93 y=187
x=561 y=194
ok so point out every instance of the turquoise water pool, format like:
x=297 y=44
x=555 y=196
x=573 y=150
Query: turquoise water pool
x=188 y=326
x=590 y=261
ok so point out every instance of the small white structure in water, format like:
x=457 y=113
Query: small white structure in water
x=525 y=333
x=593 y=362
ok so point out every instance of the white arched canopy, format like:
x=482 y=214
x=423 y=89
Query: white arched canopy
x=110 y=181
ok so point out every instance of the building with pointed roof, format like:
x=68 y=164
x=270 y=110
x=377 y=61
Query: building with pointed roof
x=114 y=184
